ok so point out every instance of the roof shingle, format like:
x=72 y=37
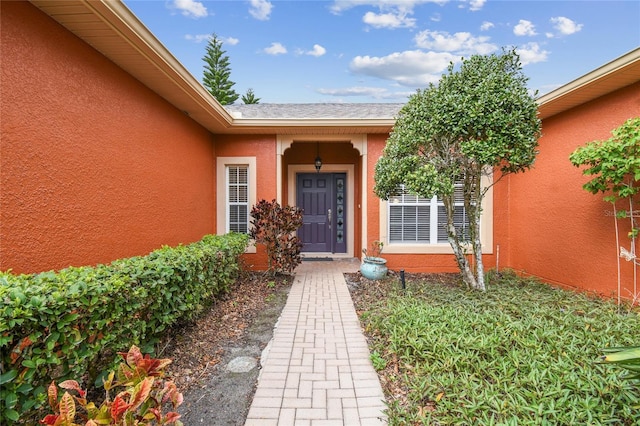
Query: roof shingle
x=315 y=111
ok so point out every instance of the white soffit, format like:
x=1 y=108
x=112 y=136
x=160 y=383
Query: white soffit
x=610 y=77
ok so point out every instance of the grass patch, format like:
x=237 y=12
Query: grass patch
x=521 y=353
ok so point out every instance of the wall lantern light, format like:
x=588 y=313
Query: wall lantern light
x=318 y=160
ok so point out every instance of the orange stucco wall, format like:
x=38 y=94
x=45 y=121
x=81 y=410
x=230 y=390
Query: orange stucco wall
x=263 y=147
x=558 y=231
x=94 y=166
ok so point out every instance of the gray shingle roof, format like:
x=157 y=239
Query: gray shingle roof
x=315 y=111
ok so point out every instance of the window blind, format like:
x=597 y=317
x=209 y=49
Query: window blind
x=238 y=198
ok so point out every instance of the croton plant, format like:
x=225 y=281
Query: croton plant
x=141 y=394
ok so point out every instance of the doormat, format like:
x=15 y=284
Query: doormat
x=317 y=259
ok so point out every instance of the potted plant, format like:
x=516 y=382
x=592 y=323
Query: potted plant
x=373 y=266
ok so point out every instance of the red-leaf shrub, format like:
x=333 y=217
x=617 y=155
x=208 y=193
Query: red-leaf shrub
x=275 y=227
x=139 y=401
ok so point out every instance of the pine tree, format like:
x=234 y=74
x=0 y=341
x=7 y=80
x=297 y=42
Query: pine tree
x=217 y=72
x=250 y=97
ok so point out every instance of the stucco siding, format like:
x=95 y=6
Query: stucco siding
x=94 y=166
x=558 y=231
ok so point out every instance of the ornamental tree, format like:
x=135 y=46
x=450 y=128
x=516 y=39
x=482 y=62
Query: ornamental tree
x=480 y=117
x=217 y=71
x=614 y=167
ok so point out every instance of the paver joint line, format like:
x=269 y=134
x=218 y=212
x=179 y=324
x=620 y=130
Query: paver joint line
x=317 y=370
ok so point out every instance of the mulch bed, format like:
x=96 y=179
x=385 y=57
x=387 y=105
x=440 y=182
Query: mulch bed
x=197 y=347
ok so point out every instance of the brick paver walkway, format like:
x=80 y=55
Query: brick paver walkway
x=317 y=369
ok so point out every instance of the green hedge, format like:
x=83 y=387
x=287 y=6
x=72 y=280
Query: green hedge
x=69 y=324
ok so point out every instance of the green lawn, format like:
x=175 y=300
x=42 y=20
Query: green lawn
x=522 y=353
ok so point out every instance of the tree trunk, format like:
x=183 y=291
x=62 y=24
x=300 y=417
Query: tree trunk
x=458 y=250
x=473 y=194
x=477 y=253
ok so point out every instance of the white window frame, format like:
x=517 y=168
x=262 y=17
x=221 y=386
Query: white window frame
x=222 y=190
x=433 y=247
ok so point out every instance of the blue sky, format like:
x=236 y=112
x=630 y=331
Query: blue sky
x=382 y=51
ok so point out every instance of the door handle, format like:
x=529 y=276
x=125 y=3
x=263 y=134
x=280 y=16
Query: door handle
x=329 y=216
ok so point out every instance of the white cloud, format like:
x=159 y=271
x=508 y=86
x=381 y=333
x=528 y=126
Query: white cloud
x=388 y=20
x=475 y=5
x=524 y=28
x=436 y=17
x=260 y=9
x=230 y=40
x=406 y=5
x=486 y=26
x=317 y=51
x=462 y=42
x=190 y=8
x=275 y=49
x=413 y=68
x=565 y=25
x=391 y=13
x=531 y=53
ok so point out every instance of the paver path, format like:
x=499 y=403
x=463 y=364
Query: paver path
x=316 y=370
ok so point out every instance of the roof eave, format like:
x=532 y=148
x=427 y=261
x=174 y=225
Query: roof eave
x=608 y=78
x=310 y=125
x=320 y=122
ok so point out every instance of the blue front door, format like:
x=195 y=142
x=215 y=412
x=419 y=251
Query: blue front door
x=322 y=198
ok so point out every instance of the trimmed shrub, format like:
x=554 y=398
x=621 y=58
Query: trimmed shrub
x=71 y=323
